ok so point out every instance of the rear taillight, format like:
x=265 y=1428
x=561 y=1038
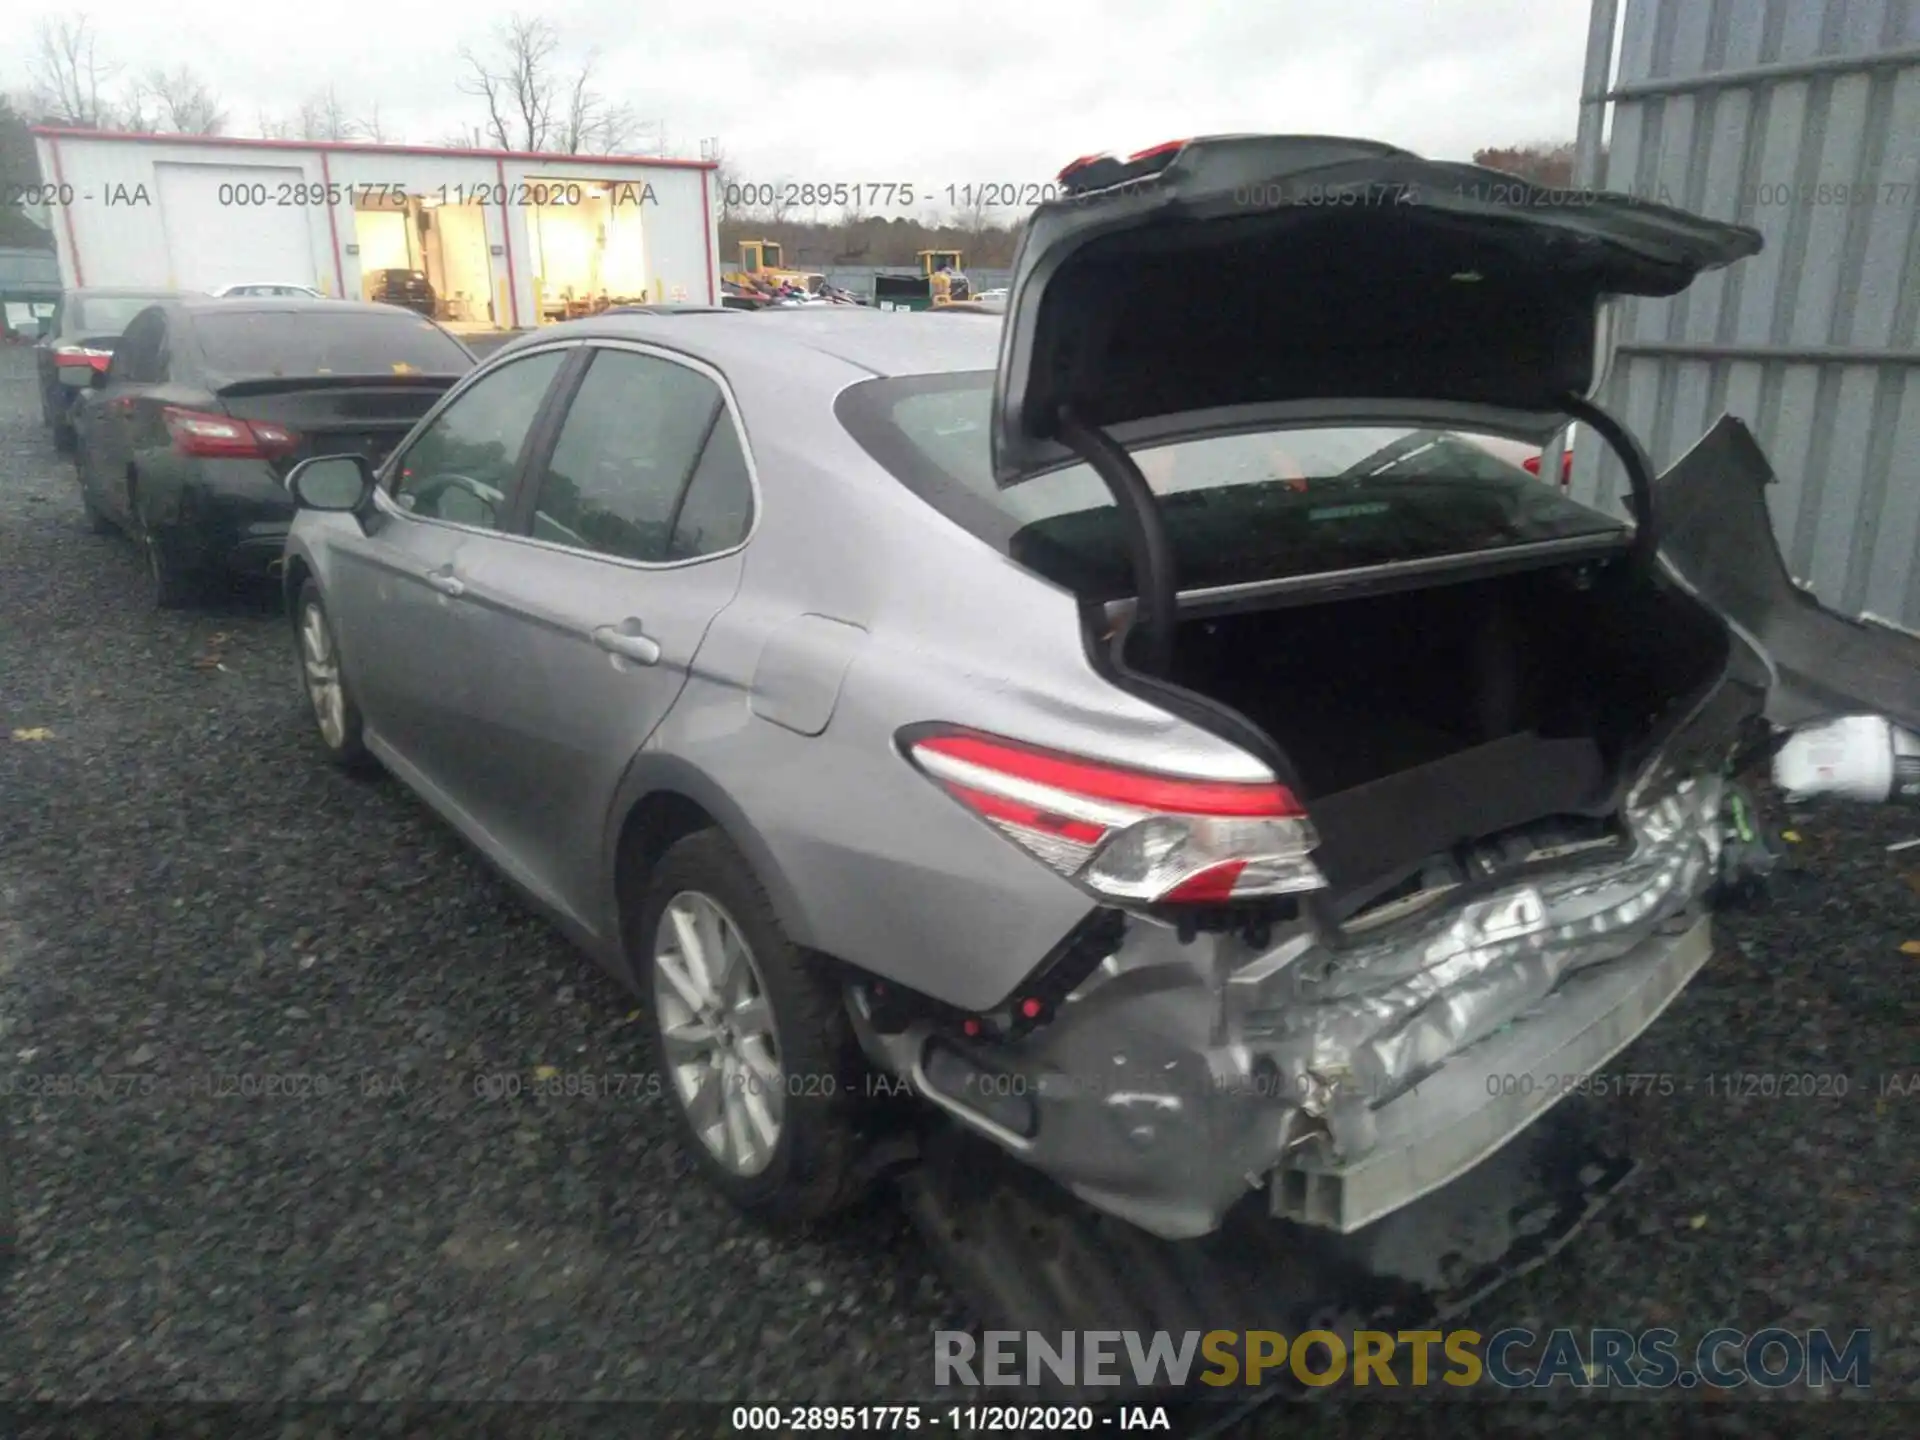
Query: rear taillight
x=82 y=355
x=199 y=432
x=1532 y=465
x=1129 y=835
x=1167 y=148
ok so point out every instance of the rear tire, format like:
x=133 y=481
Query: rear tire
x=98 y=521
x=323 y=682
x=174 y=586
x=808 y=1169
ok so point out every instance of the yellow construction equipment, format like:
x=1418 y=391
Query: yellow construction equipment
x=762 y=268
x=940 y=283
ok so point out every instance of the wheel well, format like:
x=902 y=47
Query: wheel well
x=651 y=829
x=293 y=578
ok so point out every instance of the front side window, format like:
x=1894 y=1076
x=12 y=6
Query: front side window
x=461 y=467
x=632 y=441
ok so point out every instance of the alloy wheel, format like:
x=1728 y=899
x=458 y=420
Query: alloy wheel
x=322 y=668
x=717 y=1028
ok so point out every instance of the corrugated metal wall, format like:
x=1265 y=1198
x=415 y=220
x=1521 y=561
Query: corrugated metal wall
x=1801 y=118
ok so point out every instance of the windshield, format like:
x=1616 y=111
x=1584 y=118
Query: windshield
x=109 y=314
x=263 y=343
x=1238 y=508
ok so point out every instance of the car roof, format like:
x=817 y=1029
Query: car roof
x=272 y=304
x=877 y=341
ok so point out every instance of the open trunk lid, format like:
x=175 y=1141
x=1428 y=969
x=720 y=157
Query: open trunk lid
x=1250 y=281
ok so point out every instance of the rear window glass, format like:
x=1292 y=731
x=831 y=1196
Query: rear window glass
x=1238 y=508
x=326 y=342
x=109 y=314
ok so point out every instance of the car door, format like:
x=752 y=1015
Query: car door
x=104 y=419
x=634 y=524
x=404 y=629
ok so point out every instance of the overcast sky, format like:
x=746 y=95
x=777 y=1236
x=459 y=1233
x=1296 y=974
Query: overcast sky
x=878 y=90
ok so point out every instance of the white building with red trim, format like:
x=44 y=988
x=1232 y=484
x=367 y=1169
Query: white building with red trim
x=506 y=239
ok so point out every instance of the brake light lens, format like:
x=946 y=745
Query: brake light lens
x=82 y=355
x=199 y=432
x=1532 y=466
x=1126 y=835
x=1167 y=148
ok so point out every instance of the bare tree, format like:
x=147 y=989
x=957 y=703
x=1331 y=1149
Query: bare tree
x=726 y=182
x=517 y=91
x=973 y=215
x=535 y=102
x=782 y=206
x=322 y=117
x=67 y=78
x=180 y=103
x=593 y=125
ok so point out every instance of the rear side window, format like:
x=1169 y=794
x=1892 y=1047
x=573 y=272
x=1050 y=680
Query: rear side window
x=137 y=359
x=105 y=315
x=647 y=465
x=269 y=343
x=1238 y=508
x=718 y=509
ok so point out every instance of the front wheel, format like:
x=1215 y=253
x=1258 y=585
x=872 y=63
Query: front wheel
x=752 y=1042
x=335 y=715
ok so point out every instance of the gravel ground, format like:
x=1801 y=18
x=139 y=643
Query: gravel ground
x=187 y=894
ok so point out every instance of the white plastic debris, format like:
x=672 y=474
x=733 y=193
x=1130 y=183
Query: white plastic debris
x=1860 y=757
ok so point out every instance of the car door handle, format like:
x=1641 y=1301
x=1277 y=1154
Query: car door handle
x=446 y=583
x=628 y=644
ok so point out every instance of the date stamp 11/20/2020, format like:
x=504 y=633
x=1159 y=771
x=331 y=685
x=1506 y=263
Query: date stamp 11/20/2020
x=546 y=1083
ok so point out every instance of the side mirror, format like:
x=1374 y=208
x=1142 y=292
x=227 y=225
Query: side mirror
x=338 y=483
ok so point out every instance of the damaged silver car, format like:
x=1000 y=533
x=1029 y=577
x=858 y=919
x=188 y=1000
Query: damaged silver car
x=1143 y=729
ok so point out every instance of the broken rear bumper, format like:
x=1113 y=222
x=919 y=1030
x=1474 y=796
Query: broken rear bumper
x=1347 y=1075
x=1490 y=1092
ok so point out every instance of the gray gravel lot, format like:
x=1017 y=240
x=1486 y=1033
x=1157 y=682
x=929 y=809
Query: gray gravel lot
x=188 y=894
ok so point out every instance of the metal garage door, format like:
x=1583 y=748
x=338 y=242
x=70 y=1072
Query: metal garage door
x=214 y=237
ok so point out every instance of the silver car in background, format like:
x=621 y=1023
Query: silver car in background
x=1142 y=725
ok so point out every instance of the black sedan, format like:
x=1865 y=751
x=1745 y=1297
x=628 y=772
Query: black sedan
x=409 y=289
x=86 y=326
x=185 y=439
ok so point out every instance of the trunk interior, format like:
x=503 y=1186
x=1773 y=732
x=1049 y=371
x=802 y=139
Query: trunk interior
x=1420 y=720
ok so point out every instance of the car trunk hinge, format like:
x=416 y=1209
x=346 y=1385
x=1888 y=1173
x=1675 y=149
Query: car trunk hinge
x=1639 y=468
x=1148 y=547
